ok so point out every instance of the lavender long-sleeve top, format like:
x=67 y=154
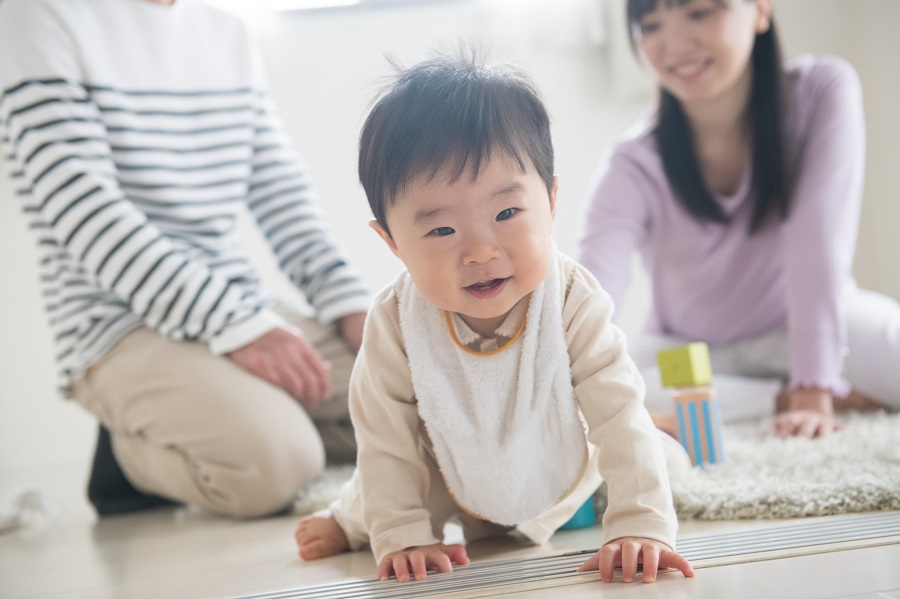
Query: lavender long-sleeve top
x=716 y=282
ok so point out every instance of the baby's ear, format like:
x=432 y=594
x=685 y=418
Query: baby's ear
x=385 y=236
x=553 y=193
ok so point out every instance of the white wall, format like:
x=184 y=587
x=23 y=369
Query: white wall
x=867 y=33
x=325 y=67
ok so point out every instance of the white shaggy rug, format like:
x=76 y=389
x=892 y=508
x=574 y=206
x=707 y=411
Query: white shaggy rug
x=323 y=491
x=855 y=470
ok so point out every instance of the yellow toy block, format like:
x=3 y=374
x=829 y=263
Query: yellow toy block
x=684 y=366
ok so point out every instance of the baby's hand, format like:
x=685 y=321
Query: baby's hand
x=438 y=557
x=628 y=552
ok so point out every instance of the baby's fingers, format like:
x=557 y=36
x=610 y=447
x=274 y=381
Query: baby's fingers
x=401 y=567
x=417 y=561
x=604 y=560
x=610 y=557
x=394 y=563
x=384 y=569
x=439 y=562
x=443 y=557
x=670 y=559
x=457 y=554
x=593 y=563
x=631 y=551
x=650 y=560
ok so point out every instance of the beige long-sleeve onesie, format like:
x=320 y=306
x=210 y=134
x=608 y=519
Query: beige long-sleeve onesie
x=397 y=497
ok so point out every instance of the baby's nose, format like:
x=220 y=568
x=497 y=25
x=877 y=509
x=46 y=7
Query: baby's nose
x=481 y=249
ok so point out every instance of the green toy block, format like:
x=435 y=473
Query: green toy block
x=685 y=366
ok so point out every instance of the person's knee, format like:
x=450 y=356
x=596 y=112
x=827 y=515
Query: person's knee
x=275 y=470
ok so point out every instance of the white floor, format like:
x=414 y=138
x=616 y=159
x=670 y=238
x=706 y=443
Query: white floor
x=182 y=553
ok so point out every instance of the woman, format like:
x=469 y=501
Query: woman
x=742 y=193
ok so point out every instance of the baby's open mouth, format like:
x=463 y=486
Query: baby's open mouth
x=485 y=290
x=485 y=285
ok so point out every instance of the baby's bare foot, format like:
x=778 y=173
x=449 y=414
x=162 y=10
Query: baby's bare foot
x=319 y=535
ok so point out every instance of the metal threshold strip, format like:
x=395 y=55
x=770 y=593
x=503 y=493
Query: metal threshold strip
x=477 y=580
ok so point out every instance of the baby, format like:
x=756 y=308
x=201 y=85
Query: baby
x=491 y=386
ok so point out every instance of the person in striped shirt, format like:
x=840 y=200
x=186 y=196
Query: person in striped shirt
x=136 y=131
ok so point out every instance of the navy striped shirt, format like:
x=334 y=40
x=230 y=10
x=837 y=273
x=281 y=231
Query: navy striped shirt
x=132 y=166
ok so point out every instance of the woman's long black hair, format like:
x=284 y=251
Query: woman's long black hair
x=765 y=117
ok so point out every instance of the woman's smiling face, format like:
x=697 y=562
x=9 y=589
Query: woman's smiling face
x=700 y=49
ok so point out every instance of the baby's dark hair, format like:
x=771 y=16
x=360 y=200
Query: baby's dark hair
x=450 y=115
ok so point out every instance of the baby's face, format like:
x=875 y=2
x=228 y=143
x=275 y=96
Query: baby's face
x=475 y=248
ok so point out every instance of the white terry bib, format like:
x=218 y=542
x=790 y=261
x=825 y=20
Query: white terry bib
x=505 y=426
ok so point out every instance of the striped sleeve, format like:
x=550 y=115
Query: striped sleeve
x=60 y=154
x=284 y=206
x=58 y=146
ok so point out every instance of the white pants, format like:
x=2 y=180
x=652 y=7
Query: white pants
x=749 y=374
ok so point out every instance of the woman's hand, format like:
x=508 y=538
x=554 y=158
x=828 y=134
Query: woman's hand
x=628 y=552
x=809 y=414
x=438 y=557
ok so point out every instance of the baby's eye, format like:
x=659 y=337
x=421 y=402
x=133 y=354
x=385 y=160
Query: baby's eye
x=442 y=231
x=505 y=214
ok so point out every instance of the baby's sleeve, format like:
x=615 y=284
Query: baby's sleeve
x=610 y=392
x=392 y=474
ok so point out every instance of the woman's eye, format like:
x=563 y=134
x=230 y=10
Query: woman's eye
x=646 y=28
x=505 y=214
x=442 y=231
x=698 y=15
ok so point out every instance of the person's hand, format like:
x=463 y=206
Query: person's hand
x=628 y=552
x=284 y=358
x=351 y=327
x=809 y=414
x=438 y=557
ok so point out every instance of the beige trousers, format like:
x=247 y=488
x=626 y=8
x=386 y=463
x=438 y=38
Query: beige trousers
x=197 y=428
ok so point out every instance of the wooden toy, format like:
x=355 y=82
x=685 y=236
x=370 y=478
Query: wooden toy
x=699 y=423
x=685 y=366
